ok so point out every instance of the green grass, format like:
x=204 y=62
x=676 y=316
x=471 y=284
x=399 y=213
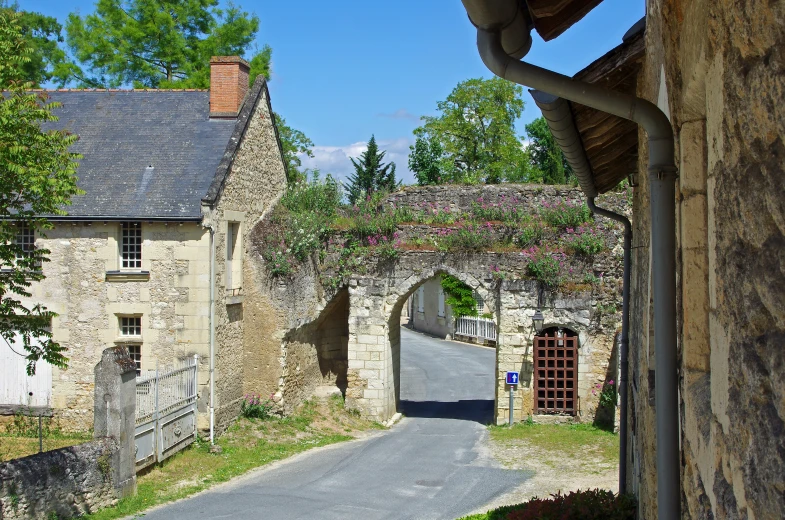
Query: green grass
x=566 y=439
x=247 y=444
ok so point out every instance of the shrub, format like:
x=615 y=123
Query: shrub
x=530 y=234
x=254 y=407
x=565 y=214
x=607 y=393
x=545 y=266
x=506 y=210
x=585 y=240
x=314 y=196
x=468 y=237
x=460 y=297
x=593 y=504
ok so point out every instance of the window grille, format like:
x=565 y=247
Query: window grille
x=480 y=303
x=556 y=372
x=131 y=245
x=131 y=326
x=135 y=352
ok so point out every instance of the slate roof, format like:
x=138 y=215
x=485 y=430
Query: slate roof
x=123 y=133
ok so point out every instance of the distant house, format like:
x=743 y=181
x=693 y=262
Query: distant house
x=153 y=255
x=428 y=312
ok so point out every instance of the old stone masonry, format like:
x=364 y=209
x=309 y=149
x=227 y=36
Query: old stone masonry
x=340 y=328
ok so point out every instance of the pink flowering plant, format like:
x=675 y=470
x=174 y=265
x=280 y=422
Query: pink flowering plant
x=565 y=213
x=466 y=237
x=607 y=392
x=584 y=240
x=545 y=265
x=505 y=209
x=256 y=407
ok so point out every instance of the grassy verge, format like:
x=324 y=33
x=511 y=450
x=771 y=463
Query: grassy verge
x=246 y=445
x=18 y=446
x=562 y=440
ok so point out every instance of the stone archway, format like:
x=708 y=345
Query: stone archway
x=374 y=350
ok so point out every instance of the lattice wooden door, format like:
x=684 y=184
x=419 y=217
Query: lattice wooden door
x=556 y=373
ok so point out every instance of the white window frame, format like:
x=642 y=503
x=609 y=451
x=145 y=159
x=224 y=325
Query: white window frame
x=131 y=250
x=133 y=341
x=234 y=257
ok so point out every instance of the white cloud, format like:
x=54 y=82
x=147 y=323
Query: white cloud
x=401 y=113
x=336 y=159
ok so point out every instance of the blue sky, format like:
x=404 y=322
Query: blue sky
x=346 y=69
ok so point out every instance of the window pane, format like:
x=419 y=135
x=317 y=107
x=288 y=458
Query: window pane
x=131 y=245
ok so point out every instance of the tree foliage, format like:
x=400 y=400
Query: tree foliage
x=476 y=130
x=370 y=173
x=549 y=166
x=43 y=37
x=426 y=161
x=37 y=177
x=293 y=143
x=460 y=297
x=162 y=43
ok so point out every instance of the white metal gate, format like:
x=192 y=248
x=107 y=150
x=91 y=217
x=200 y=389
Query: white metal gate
x=476 y=327
x=16 y=387
x=165 y=412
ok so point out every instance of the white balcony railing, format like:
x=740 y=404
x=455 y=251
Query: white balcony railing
x=476 y=327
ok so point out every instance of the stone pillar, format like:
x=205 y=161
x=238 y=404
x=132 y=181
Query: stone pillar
x=115 y=408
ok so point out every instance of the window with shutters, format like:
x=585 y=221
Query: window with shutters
x=421 y=299
x=441 y=303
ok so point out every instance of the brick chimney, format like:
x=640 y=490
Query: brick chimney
x=228 y=85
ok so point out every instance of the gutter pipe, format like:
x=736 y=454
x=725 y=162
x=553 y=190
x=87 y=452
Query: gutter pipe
x=557 y=113
x=494 y=18
x=212 y=336
x=625 y=340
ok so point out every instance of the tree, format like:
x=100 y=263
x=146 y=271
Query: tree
x=548 y=162
x=476 y=129
x=47 y=62
x=370 y=173
x=37 y=177
x=293 y=142
x=426 y=161
x=162 y=43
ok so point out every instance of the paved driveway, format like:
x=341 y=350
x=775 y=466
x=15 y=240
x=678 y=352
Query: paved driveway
x=431 y=465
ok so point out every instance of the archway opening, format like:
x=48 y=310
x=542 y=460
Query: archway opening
x=435 y=376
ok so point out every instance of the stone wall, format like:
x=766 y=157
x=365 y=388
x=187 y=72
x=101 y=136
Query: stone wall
x=299 y=351
x=173 y=302
x=67 y=482
x=254 y=183
x=717 y=68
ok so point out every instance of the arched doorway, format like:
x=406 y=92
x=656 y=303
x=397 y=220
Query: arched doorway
x=556 y=372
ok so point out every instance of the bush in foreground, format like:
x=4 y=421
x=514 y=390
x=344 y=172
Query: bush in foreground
x=593 y=504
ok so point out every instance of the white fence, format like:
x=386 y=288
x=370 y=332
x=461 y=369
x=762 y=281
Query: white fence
x=476 y=327
x=165 y=412
x=16 y=387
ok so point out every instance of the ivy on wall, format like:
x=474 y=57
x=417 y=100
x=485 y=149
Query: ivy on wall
x=459 y=296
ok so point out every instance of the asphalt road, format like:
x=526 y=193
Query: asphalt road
x=431 y=465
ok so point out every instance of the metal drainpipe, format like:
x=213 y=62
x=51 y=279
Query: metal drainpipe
x=625 y=339
x=491 y=22
x=212 y=336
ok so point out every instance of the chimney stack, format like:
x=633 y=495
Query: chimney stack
x=228 y=85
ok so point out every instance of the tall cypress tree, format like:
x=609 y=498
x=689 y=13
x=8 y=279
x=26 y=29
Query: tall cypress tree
x=370 y=173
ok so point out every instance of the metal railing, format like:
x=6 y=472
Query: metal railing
x=165 y=411
x=476 y=327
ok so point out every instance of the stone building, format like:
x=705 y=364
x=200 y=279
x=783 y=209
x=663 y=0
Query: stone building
x=154 y=254
x=715 y=69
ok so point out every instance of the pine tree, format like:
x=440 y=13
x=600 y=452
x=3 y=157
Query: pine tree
x=371 y=174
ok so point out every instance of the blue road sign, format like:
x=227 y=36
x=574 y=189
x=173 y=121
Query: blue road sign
x=512 y=378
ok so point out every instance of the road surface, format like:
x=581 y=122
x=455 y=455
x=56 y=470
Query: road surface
x=431 y=465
